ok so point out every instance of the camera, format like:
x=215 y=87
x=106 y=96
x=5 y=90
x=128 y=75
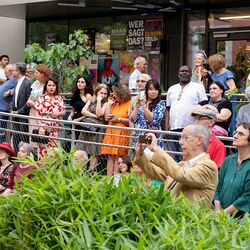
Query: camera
x=143 y=139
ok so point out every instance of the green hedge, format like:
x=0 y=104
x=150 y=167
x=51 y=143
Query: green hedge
x=61 y=208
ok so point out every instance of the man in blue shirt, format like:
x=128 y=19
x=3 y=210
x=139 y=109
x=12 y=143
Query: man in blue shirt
x=6 y=97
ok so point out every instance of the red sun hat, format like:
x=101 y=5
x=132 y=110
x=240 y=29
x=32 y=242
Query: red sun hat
x=6 y=146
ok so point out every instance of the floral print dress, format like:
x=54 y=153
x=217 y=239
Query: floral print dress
x=46 y=106
x=158 y=113
x=5 y=177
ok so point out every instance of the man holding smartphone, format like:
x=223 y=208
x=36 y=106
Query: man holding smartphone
x=196 y=177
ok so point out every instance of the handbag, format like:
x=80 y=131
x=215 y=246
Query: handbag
x=89 y=127
x=38 y=139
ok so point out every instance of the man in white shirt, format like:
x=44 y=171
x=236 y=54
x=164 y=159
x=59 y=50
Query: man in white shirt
x=4 y=60
x=196 y=177
x=140 y=65
x=181 y=99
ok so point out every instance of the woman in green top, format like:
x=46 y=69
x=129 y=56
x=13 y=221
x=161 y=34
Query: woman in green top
x=233 y=190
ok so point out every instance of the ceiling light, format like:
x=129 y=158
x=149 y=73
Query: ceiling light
x=233 y=17
x=80 y=3
x=168 y=9
x=147 y=6
x=123 y=8
x=174 y=3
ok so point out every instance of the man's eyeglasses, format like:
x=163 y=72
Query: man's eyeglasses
x=140 y=81
x=185 y=138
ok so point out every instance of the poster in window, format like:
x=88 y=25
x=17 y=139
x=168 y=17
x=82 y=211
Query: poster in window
x=108 y=69
x=153 y=35
x=135 y=34
x=118 y=36
x=154 y=66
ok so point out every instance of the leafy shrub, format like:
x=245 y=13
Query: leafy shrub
x=63 y=208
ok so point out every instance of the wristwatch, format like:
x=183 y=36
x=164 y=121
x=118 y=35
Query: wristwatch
x=119 y=119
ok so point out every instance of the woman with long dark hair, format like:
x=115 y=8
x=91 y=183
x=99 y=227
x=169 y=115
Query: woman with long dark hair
x=149 y=111
x=50 y=105
x=81 y=94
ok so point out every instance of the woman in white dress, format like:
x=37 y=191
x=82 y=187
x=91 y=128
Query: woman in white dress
x=42 y=75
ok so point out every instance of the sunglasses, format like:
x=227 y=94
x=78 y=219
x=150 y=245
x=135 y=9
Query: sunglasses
x=140 y=81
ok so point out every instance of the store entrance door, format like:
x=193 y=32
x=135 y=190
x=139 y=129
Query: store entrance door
x=235 y=46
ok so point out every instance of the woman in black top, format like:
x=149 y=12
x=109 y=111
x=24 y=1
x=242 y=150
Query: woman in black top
x=221 y=105
x=81 y=95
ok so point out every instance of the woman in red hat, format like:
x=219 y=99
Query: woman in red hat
x=6 y=166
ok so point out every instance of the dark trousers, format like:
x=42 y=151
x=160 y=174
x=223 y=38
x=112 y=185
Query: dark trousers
x=20 y=124
x=3 y=125
x=175 y=146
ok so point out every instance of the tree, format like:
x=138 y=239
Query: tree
x=62 y=58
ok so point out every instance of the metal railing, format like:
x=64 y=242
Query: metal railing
x=69 y=131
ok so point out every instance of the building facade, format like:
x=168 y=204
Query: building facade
x=168 y=33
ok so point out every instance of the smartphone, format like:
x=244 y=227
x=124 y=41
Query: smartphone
x=110 y=117
x=142 y=94
x=143 y=139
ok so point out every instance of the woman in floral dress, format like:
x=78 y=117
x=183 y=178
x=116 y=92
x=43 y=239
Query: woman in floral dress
x=149 y=111
x=50 y=105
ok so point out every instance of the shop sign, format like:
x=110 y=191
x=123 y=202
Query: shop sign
x=135 y=34
x=153 y=34
x=118 y=36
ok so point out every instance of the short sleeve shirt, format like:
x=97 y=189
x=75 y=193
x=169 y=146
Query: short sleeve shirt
x=182 y=104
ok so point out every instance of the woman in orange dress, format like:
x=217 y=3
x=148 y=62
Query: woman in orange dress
x=117 y=114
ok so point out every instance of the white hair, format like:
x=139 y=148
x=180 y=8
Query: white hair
x=200 y=130
x=138 y=60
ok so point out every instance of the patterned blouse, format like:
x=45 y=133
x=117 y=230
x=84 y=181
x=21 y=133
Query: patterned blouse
x=158 y=113
x=5 y=177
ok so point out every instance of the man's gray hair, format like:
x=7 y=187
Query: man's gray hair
x=27 y=146
x=137 y=60
x=201 y=131
x=21 y=67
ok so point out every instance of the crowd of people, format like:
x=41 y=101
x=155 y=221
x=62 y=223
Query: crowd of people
x=186 y=110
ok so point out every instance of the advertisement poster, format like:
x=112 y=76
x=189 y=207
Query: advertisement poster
x=91 y=34
x=126 y=66
x=91 y=64
x=118 y=36
x=154 y=66
x=108 y=69
x=153 y=34
x=135 y=34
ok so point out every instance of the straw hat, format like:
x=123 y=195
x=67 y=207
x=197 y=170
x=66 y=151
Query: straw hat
x=5 y=146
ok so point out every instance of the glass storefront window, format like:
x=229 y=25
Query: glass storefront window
x=229 y=18
x=101 y=29
x=196 y=34
x=47 y=32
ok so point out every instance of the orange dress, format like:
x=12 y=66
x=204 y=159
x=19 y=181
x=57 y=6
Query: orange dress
x=119 y=110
